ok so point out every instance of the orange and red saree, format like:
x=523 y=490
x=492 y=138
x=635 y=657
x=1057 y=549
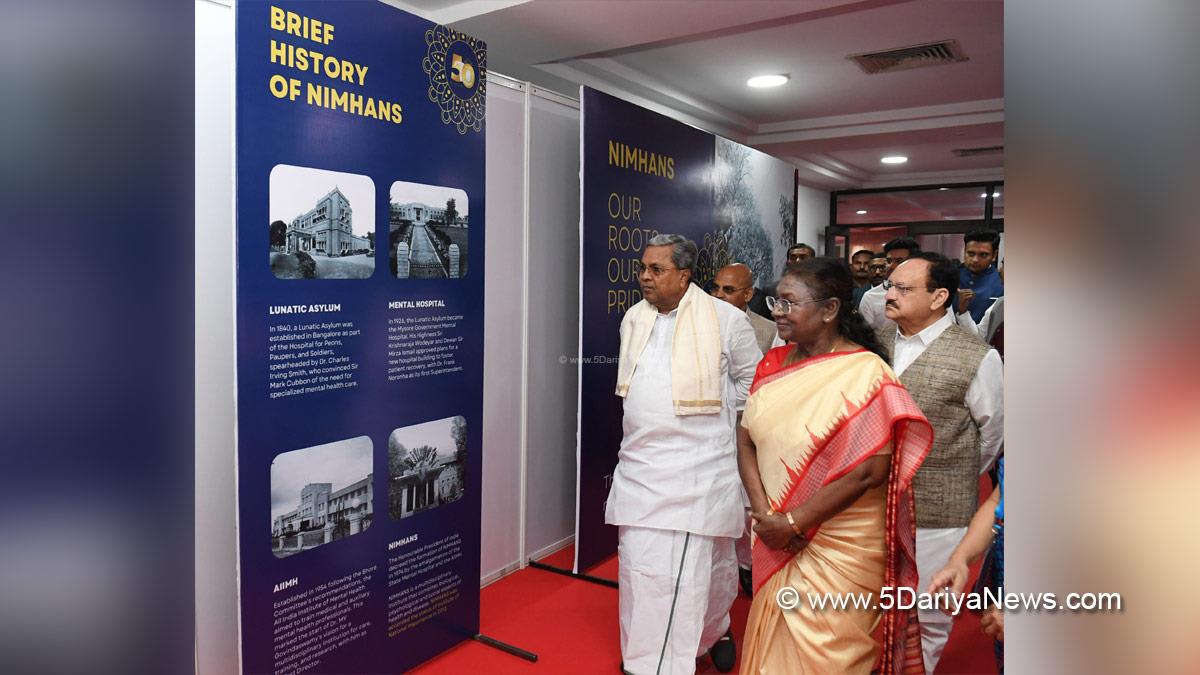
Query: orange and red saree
x=813 y=422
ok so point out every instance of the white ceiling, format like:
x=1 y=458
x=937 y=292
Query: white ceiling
x=690 y=59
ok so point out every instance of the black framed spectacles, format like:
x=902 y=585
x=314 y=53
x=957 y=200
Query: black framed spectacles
x=639 y=268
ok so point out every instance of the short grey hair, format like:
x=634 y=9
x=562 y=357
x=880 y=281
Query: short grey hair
x=683 y=250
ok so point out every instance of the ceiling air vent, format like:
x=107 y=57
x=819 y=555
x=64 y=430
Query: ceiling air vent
x=916 y=56
x=971 y=152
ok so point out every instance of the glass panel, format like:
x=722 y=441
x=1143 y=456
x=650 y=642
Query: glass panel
x=998 y=203
x=839 y=246
x=873 y=238
x=949 y=245
x=911 y=206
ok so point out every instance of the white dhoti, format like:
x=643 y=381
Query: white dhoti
x=676 y=589
x=934 y=546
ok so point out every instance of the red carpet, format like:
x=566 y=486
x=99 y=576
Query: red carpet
x=572 y=626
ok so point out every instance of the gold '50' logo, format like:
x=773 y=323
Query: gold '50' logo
x=461 y=71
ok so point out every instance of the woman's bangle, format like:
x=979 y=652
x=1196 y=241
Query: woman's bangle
x=793 y=524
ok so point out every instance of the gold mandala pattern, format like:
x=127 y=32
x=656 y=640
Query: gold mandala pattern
x=463 y=113
x=713 y=255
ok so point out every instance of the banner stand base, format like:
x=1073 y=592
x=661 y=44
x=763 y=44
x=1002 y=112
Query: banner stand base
x=505 y=647
x=578 y=575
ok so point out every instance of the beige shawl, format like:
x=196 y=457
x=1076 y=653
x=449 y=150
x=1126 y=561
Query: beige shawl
x=695 y=352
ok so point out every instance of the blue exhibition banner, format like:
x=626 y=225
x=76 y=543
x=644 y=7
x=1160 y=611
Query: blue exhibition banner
x=360 y=239
x=645 y=174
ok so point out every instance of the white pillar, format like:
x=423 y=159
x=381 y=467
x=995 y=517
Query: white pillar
x=454 y=260
x=402 y=261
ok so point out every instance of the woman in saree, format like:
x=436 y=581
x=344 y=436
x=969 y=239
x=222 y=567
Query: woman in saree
x=827 y=449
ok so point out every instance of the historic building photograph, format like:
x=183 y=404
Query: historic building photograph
x=427 y=231
x=426 y=466
x=320 y=494
x=322 y=224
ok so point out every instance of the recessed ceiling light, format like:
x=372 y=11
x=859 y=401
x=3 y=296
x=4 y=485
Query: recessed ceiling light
x=861 y=212
x=943 y=188
x=763 y=81
x=894 y=159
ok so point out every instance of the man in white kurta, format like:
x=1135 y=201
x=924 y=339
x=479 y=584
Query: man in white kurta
x=676 y=495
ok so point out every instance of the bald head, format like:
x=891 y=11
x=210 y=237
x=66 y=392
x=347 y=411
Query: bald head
x=734 y=284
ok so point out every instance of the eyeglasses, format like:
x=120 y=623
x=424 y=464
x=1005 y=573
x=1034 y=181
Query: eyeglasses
x=904 y=290
x=655 y=270
x=729 y=290
x=786 y=306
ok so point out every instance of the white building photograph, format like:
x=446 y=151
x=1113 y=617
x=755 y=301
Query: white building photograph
x=427 y=231
x=426 y=466
x=320 y=494
x=322 y=224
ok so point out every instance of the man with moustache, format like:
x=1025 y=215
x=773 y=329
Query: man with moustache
x=870 y=306
x=686 y=364
x=862 y=276
x=958 y=382
x=877 y=269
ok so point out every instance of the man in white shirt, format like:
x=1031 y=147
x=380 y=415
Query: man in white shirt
x=872 y=304
x=687 y=362
x=958 y=382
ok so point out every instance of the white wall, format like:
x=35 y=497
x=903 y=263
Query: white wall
x=502 y=335
x=553 y=323
x=531 y=304
x=812 y=217
x=216 y=533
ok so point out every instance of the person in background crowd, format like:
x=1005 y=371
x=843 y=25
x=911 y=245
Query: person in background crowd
x=871 y=305
x=979 y=282
x=958 y=382
x=991 y=327
x=799 y=253
x=832 y=515
x=758 y=301
x=862 y=276
x=877 y=269
x=858 y=267
x=734 y=284
x=984 y=535
x=685 y=368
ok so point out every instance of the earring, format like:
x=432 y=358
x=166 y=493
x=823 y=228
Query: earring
x=826 y=319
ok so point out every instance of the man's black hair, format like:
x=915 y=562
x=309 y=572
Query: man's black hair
x=985 y=235
x=943 y=273
x=906 y=243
